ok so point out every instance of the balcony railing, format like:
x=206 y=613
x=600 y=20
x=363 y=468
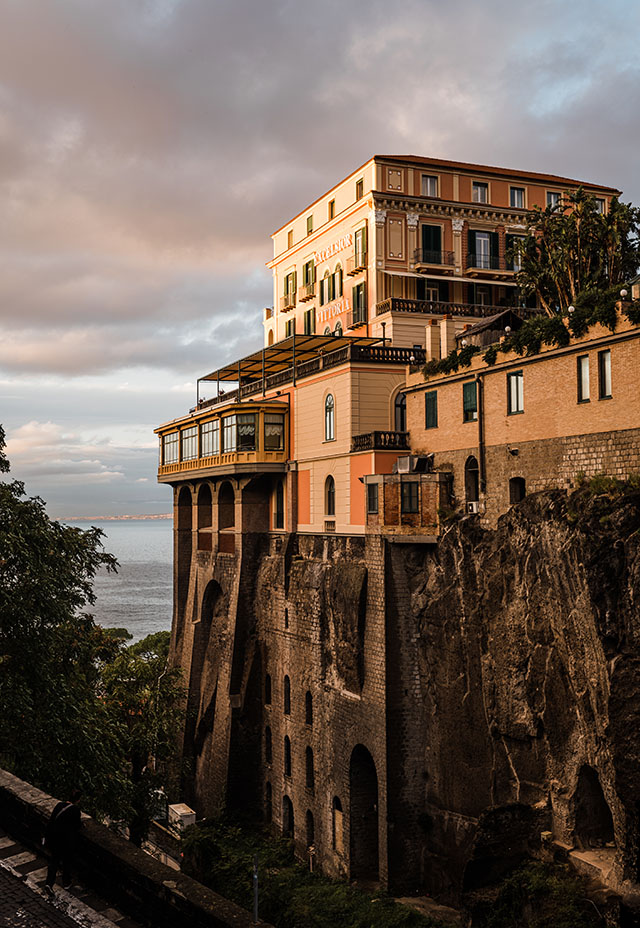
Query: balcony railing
x=356 y=263
x=357 y=318
x=439 y=258
x=288 y=302
x=483 y=262
x=306 y=292
x=380 y=441
x=437 y=308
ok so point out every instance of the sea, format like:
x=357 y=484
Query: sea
x=139 y=596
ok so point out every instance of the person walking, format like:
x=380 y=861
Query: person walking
x=61 y=838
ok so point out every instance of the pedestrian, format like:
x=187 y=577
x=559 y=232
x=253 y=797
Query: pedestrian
x=61 y=838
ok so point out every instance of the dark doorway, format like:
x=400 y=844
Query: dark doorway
x=363 y=819
x=517 y=489
x=594 y=824
x=401 y=412
x=287 y=817
x=226 y=506
x=471 y=480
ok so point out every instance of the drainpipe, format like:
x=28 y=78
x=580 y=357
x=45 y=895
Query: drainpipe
x=482 y=478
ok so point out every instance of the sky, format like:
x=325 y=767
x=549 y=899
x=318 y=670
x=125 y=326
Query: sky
x=148 y=148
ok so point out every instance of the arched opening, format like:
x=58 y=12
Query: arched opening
x=517 y=489
x=308 y=708
x=268 y=746
x=310 y=828
x=593 y=824
x=471 y=480
x=363 y=818
x=400 y=410
x=226 y=518
x=287 y=817
x=278 y=516
x=310 y=779
x=327 y=330
x=287 y=696
x=330 y=496
x=204 y=517
x=329 y=418
x=287 y=756
x=270 y=339
x=184 y=545
x=338 y=329
x=337 y=826
x=268 y=803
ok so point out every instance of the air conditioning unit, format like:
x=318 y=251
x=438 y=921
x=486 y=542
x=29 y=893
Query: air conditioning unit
x=473 y=506
x=181 y=817
x=413 y=464
x=403 y=464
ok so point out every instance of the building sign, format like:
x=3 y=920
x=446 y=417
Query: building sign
x=333 y=249
x=331 y=310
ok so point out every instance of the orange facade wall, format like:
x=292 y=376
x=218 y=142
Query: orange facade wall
x=304 y=496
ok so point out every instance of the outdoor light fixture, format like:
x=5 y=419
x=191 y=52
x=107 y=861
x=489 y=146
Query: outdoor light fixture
x=623 y=294
x=571 y=309
x=464 y=343
x=507 y=329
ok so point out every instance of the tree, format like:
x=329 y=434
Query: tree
x=573 y=249
x=77 y=706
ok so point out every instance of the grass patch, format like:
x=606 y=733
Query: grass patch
x=220 y=854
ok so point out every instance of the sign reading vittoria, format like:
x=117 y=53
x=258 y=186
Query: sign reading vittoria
x=333 y=249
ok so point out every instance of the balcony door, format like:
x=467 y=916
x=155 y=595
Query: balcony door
x=432 y=244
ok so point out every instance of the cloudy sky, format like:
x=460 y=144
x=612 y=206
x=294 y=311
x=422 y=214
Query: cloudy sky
x=149 y=147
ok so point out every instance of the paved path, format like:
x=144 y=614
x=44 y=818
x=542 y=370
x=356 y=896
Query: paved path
x=25 y=904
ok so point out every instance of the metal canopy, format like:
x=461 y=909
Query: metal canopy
x=281 y=356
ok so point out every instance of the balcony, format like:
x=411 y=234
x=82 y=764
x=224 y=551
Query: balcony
x=244 y=438
x=380 y=441
x=436 y=308
x=356 y=318
x=356 y=263
x=483 y=265
x=306 y=292
x=434 y=262
x=287 y=302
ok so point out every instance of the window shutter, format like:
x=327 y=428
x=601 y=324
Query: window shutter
x=494 y=244
x=469 y=402
x=431 y=409
x=472 y=242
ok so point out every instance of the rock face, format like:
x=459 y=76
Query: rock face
x=444 y=705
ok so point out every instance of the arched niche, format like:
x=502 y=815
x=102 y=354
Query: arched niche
x=593 y=819
x=471 y=480
x=363 y=815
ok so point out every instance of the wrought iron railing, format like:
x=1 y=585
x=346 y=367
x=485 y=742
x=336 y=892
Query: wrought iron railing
x=436 y=308
x=356 y=263
x=306 y=292
x=357 y=318
x=483 y=262
x=439 y=257
x=381 y=441
x=287 y=302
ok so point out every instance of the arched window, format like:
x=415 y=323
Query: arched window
x=310 y=779
x=270 y=337
x=287 y=696
x=287 y=756
x=517 y=489
x=268 y=746
x=329 y=418
x=267 y=690
x=330 y=496
x=401 y=412
x=338 y=329
x=327 y=330
x=471 y=480
x=308 y=708
x=337 y=281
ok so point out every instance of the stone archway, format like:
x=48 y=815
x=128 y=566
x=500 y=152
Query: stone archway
x=363 y=815
x=226 y=518
x=184 y=544
x=593 y=819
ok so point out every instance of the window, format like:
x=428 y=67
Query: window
x=290 y=290
x=170 y=448
x=329 y=418
x=247 y=432
x=431 y=409
x=330 y=496
x=268 y=746
x=600 y=205
x=400 y=411
x=308 y=277
x=308 y=708
x=360 y=189
x=429 y=185
x=480 y=192
x=278 y=521
x=337 y=281
x=359 y=298
x=372 y=498
x=516 y=197
x=409 y=499
x=553 y=198
x=469 y=401
x=483 y=250
x=513 y=248
x=189 y=443
x=210 y=438
x=583 y=378
x=273 y=431
x=309 y=224
x=309 y=321
x=267 y=689
x=515 y=393
x=338 y=329
x=360 y=246
x=310 y=780
x=286 y=625
x=290 y=238
x=517 y=489
x=287 y=756
x=229 y=434
x=332 y=209
x=327 y=330
x=604 y=375
x=326 y=288
x=287 y=696
x=289 y=328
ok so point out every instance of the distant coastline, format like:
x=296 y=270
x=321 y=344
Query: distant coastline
x=166 y=515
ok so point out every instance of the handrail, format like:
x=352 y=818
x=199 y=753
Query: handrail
x=426 y=256
x=436 y=307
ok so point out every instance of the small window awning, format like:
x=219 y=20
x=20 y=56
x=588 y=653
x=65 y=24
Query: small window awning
x=281 y=356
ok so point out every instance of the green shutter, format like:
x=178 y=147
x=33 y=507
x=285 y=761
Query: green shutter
x=494 y=244
x=469 y=397
x=431 y=409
